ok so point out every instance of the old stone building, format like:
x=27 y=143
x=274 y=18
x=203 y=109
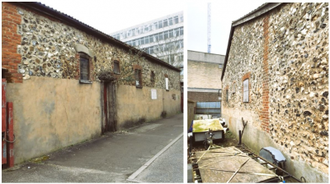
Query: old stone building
x=69 y=82
x=275 y=77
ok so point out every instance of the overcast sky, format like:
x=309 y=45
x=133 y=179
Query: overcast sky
x=109 y=16
x=222 y=15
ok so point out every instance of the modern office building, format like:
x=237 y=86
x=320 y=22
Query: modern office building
x=162 y=38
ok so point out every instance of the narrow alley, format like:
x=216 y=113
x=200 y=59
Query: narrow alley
x=114 y=157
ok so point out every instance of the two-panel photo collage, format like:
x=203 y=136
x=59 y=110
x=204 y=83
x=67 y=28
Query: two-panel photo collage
x=155 y=91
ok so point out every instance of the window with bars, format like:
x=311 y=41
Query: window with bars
x=246 y=90
x=84 y=67
x=138 y=78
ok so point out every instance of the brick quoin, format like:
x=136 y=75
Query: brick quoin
x=265 y=80
x=10 y=40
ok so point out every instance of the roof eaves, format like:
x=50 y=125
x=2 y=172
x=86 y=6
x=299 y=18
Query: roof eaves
x=264 y=8
x=44 y=9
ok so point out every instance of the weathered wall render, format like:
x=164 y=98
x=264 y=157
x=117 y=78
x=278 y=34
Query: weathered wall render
x=285 y=56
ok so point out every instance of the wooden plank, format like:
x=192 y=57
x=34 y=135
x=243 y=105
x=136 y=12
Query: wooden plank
x=219 y=165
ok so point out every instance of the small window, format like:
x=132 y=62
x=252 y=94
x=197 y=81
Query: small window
x=84 y=67
x=116 y=68
x=160 y=24
x=170 y=33
x=166 y=84
x=152 y=77
x=181 y=31
x=170 y=20
x=176 y=19
x=246 y=90
x=165 y=35
x=227 y=95
x=138 y=78
x=161 y=36
x=165 y=23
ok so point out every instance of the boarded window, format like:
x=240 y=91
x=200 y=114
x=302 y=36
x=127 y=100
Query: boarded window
x=246 y=90
x=84 y=68
x=116 y=68
x=138 y=78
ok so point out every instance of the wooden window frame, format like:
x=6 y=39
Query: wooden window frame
x=138 y=78
x=116 y=66
x=89 y=60
x=246 y=86
x=152 y=77
x=246 y=89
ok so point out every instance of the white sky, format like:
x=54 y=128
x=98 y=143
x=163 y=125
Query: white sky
x=222 y=15
x=113 y=15
x=109 y=16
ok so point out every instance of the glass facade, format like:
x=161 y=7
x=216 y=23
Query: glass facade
x=162 y=38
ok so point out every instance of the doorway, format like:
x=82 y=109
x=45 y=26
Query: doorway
x=109 y=106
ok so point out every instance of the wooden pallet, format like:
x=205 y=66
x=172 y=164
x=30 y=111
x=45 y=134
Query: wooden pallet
x=229 y=164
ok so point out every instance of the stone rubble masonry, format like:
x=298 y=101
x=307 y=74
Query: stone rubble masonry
x=10 y=39
x=265 y=81
x=45 y=47
x=286 y=52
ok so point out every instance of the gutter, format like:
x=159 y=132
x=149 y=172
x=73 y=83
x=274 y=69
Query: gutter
x=263 y=9
x=50 y=12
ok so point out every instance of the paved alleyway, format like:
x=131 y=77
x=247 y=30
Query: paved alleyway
x=114 y=157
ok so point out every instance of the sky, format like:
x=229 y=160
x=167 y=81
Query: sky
x=223 y=13
x=110 y=16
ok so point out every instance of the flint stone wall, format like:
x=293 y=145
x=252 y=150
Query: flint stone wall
x=296 y=42
x=48 y=49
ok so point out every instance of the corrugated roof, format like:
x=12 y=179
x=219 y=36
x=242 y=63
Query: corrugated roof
x=44 y=9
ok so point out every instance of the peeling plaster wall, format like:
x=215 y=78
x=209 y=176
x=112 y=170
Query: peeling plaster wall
x=52 y=109
x=48 y=114
x=136 y=106
x=285 y=56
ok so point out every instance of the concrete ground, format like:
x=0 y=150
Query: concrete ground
x=152 y=152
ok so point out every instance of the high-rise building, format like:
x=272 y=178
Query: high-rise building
x=162 y=38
